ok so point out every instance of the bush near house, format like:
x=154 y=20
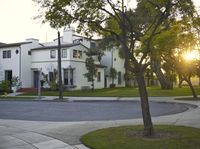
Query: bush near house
x=5 y=86
x=53 y=86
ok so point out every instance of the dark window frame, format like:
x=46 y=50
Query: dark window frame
x=52 y=54
x=6 y=54
x=98 y=76
x=64 y=55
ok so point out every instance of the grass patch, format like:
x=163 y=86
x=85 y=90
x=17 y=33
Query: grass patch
x=172 y=137
x=16 y=98
x=121 y=92
x=188 y=98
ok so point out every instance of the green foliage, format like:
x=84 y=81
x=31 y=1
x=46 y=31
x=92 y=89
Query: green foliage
x=53 y=86
x=5 y=86
x=113 y=73
x=91 y=68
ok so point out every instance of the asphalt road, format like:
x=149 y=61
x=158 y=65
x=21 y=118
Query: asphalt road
x=83 y=110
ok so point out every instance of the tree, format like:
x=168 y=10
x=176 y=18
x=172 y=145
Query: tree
x=185 y=70
x=92 y=70
x=162 y=59
x=127 y=26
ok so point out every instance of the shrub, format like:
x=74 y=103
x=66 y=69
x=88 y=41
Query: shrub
x=5 y=86
x=53 y=86
x=112 y=85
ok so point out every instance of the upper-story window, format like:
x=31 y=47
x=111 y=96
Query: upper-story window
x=53 y=53
x=77 y=54
x=7 y=54
x=92 y=45
x=64 y=53
x=29 y=52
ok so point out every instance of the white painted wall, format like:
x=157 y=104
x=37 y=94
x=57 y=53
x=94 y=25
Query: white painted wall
x=26 y=62
x=111 y=59
x=9 y=63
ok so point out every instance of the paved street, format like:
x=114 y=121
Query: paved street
x=46 y=135
x=83 y=110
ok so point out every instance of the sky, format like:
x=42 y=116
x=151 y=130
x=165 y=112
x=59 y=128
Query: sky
x=17 y=22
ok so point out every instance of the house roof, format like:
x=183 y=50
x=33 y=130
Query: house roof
x=2 y=45
x=56 y=46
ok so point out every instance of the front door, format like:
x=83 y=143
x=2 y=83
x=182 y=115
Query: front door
x=8 y=75
x=35 y=78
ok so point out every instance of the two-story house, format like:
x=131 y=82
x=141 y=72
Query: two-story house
x=73 y=57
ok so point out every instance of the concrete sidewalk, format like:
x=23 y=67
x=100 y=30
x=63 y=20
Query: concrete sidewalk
x=16 y=134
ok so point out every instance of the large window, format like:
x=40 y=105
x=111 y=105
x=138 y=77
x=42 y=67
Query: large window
x=119 y=78
x=77 y=54
x=50 y=76
x=69 y=76
x=7 y=54
x=99 y=76
x=53 y=53
x=64 y=53
x=92 y=45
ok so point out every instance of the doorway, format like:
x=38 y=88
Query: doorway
x=35 y=78
x=8 y=75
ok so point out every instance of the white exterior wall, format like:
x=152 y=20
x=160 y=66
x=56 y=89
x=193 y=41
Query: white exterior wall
x=26 y=63
x=118 y=64
x=112 y=59
x=9 y=63
x=41 y=59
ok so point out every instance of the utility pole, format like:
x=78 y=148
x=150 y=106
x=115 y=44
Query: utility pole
x=39 y=83
x=60 y=87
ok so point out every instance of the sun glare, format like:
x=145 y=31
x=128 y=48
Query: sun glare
x=191 y=55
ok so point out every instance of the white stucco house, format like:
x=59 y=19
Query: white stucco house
x=26 y=60
x=73 y=58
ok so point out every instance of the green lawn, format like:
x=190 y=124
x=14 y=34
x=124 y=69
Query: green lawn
x=122 y=92
x=124 y=138
x=16 y=98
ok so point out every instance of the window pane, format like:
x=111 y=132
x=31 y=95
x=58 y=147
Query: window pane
x=64 y=53
x=9 y=54
x=119 y=78
x=50 y=76
x=92 y=45
x=99 y=77
x=74 y=53
x=53 y=53
x=4 y=54
x=79 y=54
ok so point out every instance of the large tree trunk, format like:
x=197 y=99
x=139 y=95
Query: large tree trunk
x=148 y=126
x=164 y=82
x=191 y=88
